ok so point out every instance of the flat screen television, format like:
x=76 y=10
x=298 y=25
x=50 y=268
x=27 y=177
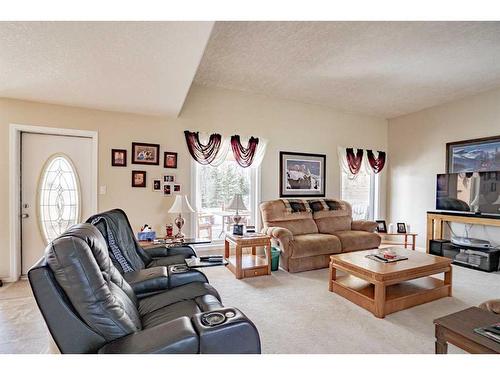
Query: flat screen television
x=477 y=192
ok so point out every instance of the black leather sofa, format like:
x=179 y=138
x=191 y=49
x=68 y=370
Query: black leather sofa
x=90 y=308
x=147 y=271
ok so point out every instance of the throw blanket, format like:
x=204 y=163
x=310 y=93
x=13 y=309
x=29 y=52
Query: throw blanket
x=325 y=205
x=296 y=205
x=125 y=258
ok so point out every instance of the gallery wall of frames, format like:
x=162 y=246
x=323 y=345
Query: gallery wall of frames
x=163 y=182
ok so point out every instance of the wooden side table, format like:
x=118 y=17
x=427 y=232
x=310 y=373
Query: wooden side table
x=248 y=265
x=405 y=243
x=458 y=329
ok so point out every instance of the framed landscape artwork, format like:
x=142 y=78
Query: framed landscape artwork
x=475 y=155
x=302 y=175
x=145 y=153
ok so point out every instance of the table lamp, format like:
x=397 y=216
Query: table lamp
x=237 y=204
x=181 y=206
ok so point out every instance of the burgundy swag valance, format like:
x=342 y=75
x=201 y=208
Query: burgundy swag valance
x=377 y=164
x=354 y=161
x=203 y=154
x=244 y=155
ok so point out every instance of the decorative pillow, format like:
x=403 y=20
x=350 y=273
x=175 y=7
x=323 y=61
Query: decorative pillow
x=325 y=205
x=296 y=205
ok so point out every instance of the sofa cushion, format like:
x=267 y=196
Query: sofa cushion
x=353 y=240
x=307 y=245
x=331 y=225
x=297 y=227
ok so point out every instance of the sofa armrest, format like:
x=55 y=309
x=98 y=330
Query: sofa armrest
x=491 y=305
x=174 y=337
x=236 y=335
x=279 y=233
x=364 y=225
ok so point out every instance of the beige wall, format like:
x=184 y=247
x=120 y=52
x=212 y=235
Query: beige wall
x=288 y=126
x=417 y=153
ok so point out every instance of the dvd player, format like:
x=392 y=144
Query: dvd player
x=471 y=242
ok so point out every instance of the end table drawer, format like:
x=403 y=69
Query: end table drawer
x=255 y=272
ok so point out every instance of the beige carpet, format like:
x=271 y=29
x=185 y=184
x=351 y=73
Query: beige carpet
x=295 y=313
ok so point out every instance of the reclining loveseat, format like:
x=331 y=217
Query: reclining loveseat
x=147 y=271
x=90 y=308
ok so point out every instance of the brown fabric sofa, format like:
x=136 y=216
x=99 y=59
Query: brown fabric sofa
x=307 y=239
x=491 y=305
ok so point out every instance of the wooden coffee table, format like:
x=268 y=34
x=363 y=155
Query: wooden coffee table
x=384 y=288
x=458 y=329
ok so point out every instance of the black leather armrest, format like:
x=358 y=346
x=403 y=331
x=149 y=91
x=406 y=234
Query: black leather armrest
x=157 y=252
x=175 y=337
x=148 y=281
x=164 y=251
x=237 y=335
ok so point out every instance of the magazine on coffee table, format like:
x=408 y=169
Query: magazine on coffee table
x=381 y=259
x=491 y=332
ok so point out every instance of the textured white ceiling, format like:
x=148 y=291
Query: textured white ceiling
x=141 y=67
x=378 y=68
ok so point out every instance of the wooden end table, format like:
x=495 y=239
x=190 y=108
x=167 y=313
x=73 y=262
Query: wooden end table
x=405 y=243
x=458 y=329
x=248 y=265
x=384 y=288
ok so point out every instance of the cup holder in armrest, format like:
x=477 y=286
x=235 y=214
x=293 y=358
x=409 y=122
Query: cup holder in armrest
x=179 y=268
x=213 y=319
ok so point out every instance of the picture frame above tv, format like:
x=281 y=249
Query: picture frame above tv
x=473 y=155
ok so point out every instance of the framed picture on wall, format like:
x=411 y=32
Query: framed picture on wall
x=170 y=160
x=118 y=157
x=302 y=175
x=167 y=189
x=176 y=188
x=168 y=178
x=139 y=179
x=157 y=184
x=145 y=153
x=473 y=155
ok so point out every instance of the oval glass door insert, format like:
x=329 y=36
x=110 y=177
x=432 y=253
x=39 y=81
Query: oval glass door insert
x=58 y=197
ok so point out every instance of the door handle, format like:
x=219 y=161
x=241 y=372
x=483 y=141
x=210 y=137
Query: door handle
x=24 y=216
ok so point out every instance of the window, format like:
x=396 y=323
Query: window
x=58 y=197
x=360 y=191
x=214 y=189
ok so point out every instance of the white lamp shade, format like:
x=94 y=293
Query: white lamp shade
x=181 y=205
x=237 y=203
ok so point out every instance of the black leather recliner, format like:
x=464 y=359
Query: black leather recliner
x=90 y=308
x=147 y=271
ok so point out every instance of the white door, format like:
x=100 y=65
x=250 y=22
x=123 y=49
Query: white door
x=56 y=188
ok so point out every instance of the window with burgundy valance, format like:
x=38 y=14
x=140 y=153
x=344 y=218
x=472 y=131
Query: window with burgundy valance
x=224 y=166
x=360 y=182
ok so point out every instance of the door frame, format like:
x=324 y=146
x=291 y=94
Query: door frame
x=15 y=131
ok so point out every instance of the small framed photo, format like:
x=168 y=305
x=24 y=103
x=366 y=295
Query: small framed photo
x=401 y=227
x=118 y=157
x=156 y=184
x=145 y=153
x=381 y=226
x=139 y=179
x=168 y=179
x=167 y=189
x=170 y=160
x=176 y=188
